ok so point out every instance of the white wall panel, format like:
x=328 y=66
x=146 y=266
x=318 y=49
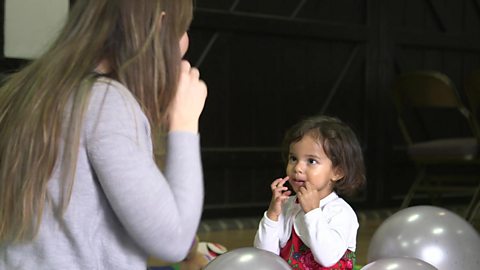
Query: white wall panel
x=30 y=26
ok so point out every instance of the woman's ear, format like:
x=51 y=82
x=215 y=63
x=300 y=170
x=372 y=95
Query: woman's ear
x=162 y=16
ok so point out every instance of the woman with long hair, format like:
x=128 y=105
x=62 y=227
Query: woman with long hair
x=84 y=130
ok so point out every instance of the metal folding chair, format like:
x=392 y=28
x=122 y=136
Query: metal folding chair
x=421 y=99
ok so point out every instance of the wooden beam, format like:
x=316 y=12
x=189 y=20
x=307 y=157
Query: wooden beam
x=10 y=65
x=340 y=78
x=476 y=3
x=468 y=42
x=440 y=14
x=242 y=157
x=218 y=20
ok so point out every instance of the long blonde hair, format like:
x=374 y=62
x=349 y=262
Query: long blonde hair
x=140 y=42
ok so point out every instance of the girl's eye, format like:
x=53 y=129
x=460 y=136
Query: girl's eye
x=292 y=159
x=312 y=161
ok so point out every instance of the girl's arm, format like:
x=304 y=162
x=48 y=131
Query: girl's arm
x=268 y=234
x=330 y=232
x=271 y=225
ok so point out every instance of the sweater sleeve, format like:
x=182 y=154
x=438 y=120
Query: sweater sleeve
x=329 y=232
x=160 y=212
x=268 y=235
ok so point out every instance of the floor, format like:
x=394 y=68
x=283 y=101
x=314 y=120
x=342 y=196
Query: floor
x=239 y=232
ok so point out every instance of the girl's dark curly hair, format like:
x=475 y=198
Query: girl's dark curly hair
x=340 y=145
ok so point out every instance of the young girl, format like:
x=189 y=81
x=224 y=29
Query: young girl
x=316 y=229
x=79 y=185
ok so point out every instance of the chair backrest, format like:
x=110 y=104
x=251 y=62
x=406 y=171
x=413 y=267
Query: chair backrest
x=426 y=90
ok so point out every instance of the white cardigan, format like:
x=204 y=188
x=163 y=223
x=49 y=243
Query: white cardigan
x=328 y=230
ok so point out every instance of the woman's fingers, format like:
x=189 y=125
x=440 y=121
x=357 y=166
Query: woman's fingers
x=189 y=100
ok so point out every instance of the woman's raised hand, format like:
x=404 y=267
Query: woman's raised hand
x=189 y=101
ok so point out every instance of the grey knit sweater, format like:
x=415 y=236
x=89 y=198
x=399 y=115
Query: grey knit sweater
x=122 y=209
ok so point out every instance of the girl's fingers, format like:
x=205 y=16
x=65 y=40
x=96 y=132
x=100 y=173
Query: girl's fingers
x=276 y=184
x=284 y=197
x=308 y=185
x=284 y=180
x=279 y=182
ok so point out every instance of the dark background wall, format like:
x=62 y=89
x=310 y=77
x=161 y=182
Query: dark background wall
x=270 y=63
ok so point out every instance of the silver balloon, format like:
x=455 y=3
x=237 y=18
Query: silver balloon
x=431 y=234
x=399 y=264
x=248 y=258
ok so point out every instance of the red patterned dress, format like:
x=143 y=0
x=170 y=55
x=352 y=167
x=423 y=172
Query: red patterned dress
x=299 y=256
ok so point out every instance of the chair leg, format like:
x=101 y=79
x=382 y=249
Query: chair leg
x=474 y=212
x=473 y=205
x=409 y=196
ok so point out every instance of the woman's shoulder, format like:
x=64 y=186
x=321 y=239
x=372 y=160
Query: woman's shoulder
x=105 y=86
x=108 y=93
x=113 y=106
